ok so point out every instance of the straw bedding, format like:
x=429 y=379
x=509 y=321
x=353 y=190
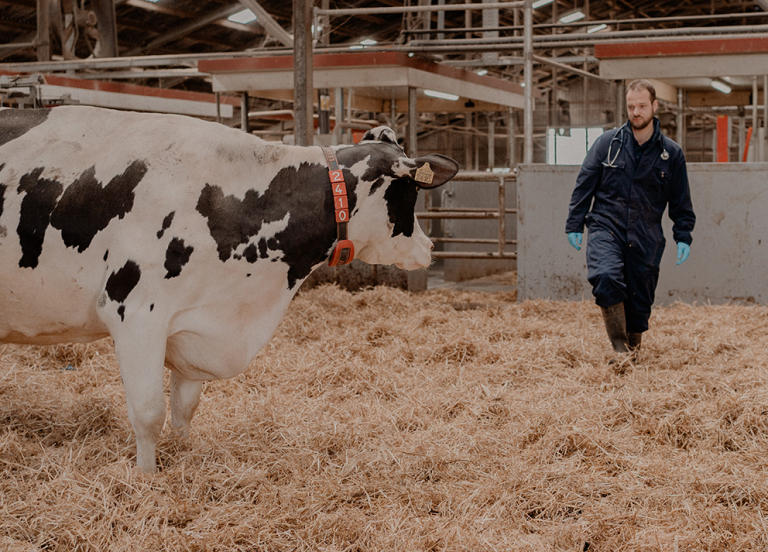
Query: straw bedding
x=382 y=420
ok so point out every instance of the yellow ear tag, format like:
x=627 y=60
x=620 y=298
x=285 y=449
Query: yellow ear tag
x=424 y=174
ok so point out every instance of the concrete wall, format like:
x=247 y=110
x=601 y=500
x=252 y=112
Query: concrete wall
x=728 y=257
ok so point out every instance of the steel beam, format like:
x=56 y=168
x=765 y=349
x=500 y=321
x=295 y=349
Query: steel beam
x=184 y=30
x=269 y=23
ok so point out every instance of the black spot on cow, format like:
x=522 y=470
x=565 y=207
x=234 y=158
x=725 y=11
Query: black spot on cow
x=303 y=193
x=106 y=254
x=379 y=159
x=166 y=224
x=251 y=254
x=15 y=123
x=122 y=282
x=151 y=307
x=3 y=187
x=35 y=215
x=263 y=253
x=401 y=197
x=121 y=312
x=176 y=256
x=86 y=207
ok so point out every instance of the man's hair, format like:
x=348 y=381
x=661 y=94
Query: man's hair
x=643 y=84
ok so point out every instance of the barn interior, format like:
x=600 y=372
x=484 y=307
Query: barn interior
x=487 y=412
x=495 y=85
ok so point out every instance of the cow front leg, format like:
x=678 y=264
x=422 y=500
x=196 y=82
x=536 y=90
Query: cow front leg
x=141 y=360
x=185 y=396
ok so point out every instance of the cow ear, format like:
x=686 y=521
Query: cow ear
x=380 y=134
x=433 y=170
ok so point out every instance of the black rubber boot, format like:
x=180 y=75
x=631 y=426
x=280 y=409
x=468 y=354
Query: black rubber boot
x=616 y=326
x=634 y=339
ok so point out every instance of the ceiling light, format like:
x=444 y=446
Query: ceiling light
x=541 y=3
x=597 y=28
x=244 y=17
x=482 y=72
x=571 y=17
x=441 y=95
x=356 y=47
x=721 y=86
x=368 y=42
x=152 y=1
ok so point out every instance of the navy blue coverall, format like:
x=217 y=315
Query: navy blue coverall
x=628 y=186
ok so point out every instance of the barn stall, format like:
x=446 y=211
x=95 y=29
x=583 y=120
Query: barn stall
x=387 y=420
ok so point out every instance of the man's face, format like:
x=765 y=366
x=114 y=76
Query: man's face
x=640 y=108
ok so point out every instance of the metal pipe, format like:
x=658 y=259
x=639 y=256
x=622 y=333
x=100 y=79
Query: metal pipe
x=491 y=141
x=17 y=45
x=528 y=77
x=192 y=59
x=565 y=67
x=502 y=214
x=765 y=119
x=148 y=74
x=485 y=241
x=413 y=121
x=415 y=9
x=680 y=119
x=583 y=23
x=755 y=132
x=574 y=37
x=244 y=112
x=488 y=215
x=472 y=255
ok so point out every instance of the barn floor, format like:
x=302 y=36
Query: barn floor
x=448 y=420
x=502 y=282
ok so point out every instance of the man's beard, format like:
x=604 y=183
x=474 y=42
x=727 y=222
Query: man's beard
x=641 y=124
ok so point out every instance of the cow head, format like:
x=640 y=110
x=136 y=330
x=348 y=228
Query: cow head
x=383 y=224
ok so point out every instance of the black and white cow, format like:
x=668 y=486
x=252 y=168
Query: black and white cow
x=181 y=239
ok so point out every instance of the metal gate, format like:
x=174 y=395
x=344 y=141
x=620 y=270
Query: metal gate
x=498 y=212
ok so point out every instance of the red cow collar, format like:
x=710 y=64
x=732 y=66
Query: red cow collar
x=344 y=251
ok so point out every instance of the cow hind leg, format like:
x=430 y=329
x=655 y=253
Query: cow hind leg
x=185 y=396
x=141 y=355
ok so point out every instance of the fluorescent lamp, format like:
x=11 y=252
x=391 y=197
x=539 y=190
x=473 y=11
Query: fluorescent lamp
x=597 y=28
x=573 y=16
x=356 y=47
x=244 y=17
x=441 y=95
x=152 y=1
x=482 y=72
x=721 y=86
x=541 y=3
x=368 y=42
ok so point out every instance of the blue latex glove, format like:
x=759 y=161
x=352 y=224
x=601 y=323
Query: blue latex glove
x=683 y=250
x=574 y=238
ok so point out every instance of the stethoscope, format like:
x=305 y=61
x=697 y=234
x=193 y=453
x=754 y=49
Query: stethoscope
x=619 y=136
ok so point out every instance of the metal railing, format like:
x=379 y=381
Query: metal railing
x=475 y=213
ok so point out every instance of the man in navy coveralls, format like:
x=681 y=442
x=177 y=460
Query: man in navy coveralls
x=627 y=180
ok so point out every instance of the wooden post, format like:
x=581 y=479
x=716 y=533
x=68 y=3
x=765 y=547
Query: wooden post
x=302 y=72
x=107 y=26
x=43 y=39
